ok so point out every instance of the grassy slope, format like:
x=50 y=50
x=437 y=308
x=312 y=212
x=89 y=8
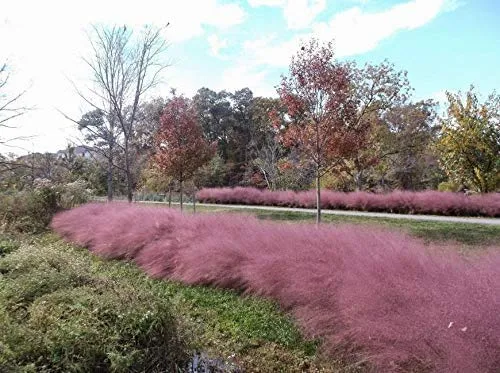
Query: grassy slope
x=252 y=333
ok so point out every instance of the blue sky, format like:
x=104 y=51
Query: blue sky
x=224 y=44
x=457 y=46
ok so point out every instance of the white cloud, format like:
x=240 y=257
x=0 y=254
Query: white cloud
x=298 y=13
x=43 y=41
x=186 y=17
x=440 y=97
x=246 y=75
x=267 y=51
x=256 y=3
x=442 y=101
x=216 y=44
x=354 y=31
x=358 y=32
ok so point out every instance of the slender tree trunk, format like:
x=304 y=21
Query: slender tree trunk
x=170 y=195
x=180 y=182
x=110 y=179
x=318 y=177
x=358 y=178
x=194 y=200
x=318 y=198
x=128 y=175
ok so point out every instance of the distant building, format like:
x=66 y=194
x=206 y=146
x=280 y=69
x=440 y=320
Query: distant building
x=78 y=151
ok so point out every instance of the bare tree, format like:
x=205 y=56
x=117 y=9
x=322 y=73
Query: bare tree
x=9 y=104
x=10 y=108
x=267 y=160
x=124 y=68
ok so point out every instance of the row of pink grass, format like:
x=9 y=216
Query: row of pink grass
x=366 y=293
x=404 y=202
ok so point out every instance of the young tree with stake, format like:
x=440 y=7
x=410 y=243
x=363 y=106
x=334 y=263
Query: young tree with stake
x=180 y=148
x=322 y=110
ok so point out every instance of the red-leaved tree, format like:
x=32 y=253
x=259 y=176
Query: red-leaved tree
x=180 y=148
x=318 y=95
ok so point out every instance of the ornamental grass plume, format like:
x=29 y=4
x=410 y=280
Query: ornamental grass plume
x=368 y=294
x=403 y=202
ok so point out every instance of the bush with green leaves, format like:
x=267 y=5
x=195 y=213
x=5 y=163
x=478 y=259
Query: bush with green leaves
x=448 y=186
x=61 y=311
x=7 y=245
x=73 y=194
x=28 y=211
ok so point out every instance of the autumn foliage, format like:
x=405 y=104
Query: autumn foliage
x=366 y=294
x=318 y=100
x=428 y=202
x=180 y=148
x=469 y=144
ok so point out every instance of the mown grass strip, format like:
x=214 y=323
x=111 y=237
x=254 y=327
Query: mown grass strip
x=470 y=235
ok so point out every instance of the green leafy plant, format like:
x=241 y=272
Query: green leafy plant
x=57 y=314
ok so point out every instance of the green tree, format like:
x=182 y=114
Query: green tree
x=469 y=143
x=406 y=156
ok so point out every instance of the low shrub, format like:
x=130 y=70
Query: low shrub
x=402 y=202
x=370 y=295
x=73 y=194
x=7 y=245
x=448 y=186
x=57 y=314
x=30 y=211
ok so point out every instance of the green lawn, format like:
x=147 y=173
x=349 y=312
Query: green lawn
x=465 y=233
x=469 y=235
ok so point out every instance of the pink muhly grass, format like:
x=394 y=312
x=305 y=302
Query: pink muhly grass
x=366 y=293
x=404 y=202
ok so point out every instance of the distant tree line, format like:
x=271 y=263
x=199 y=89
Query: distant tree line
x=333 y=125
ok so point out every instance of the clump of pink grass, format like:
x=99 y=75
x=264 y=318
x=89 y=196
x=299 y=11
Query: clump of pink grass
x=368 y=294
x=403 y=202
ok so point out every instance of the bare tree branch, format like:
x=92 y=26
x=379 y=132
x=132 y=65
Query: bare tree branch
x=123 y=70
x=8 y=108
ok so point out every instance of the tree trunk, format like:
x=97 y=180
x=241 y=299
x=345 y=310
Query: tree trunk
x=127 y=173
x=170 y=195
x=318 y=198
x=130 y=194
x=194 y=201
x=358 y=178
x=318 y=177
x=180 y=182
x=110 y=179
